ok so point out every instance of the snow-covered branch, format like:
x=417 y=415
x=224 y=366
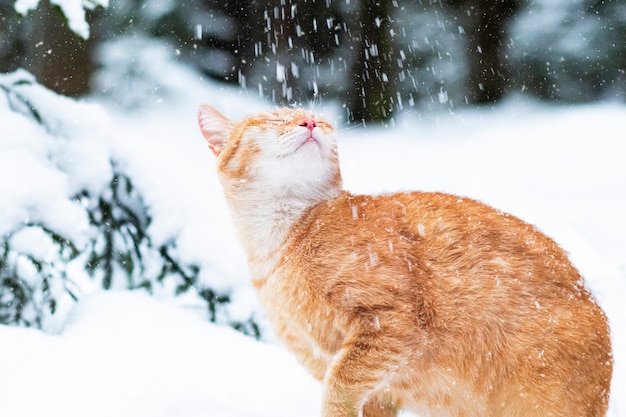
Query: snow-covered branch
x=72 y=219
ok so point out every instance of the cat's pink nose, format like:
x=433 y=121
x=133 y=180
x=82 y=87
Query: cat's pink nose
x=308 y=123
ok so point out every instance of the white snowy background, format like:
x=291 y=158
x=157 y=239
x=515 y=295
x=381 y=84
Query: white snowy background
x=122 y=353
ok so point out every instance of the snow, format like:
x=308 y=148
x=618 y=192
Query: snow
x=126 y=354
x=123 y=353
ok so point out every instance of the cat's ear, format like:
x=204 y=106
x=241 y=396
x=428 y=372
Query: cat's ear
x=215 y=127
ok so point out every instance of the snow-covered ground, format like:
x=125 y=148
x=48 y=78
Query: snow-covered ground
x=126 y=354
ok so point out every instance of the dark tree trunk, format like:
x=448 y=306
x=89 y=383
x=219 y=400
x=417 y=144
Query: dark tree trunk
x=12 y=48
x=370 y=97
x=485 y=24
x=59 y=58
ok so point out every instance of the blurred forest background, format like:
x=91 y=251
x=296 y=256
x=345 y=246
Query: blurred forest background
x=374 y=58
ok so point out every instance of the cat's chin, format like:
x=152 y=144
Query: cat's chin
x=310 y=139
x=299 y=176
x=308 y=170
x=308 y=145
x=310 y=148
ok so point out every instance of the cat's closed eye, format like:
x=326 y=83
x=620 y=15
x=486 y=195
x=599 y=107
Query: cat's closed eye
x=278 y=121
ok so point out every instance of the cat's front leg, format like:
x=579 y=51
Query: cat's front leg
x=380 y=407
x=364 y=364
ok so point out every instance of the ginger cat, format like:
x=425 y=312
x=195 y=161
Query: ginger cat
x=425 y=302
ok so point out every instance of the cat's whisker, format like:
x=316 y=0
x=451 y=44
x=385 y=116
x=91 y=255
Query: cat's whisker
x=350 y=127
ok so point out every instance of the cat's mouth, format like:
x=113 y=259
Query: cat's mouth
x=297 y=142
x=309 y=139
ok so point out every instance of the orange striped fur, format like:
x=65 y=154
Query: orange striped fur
x=426 y=302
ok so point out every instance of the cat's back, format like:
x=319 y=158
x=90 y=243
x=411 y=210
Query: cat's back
x=439 y=232
x=491 y=295
x=459 y=254
x=462 y=252
x=428 y=223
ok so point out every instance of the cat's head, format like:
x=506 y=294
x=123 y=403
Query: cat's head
x=286 y=151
